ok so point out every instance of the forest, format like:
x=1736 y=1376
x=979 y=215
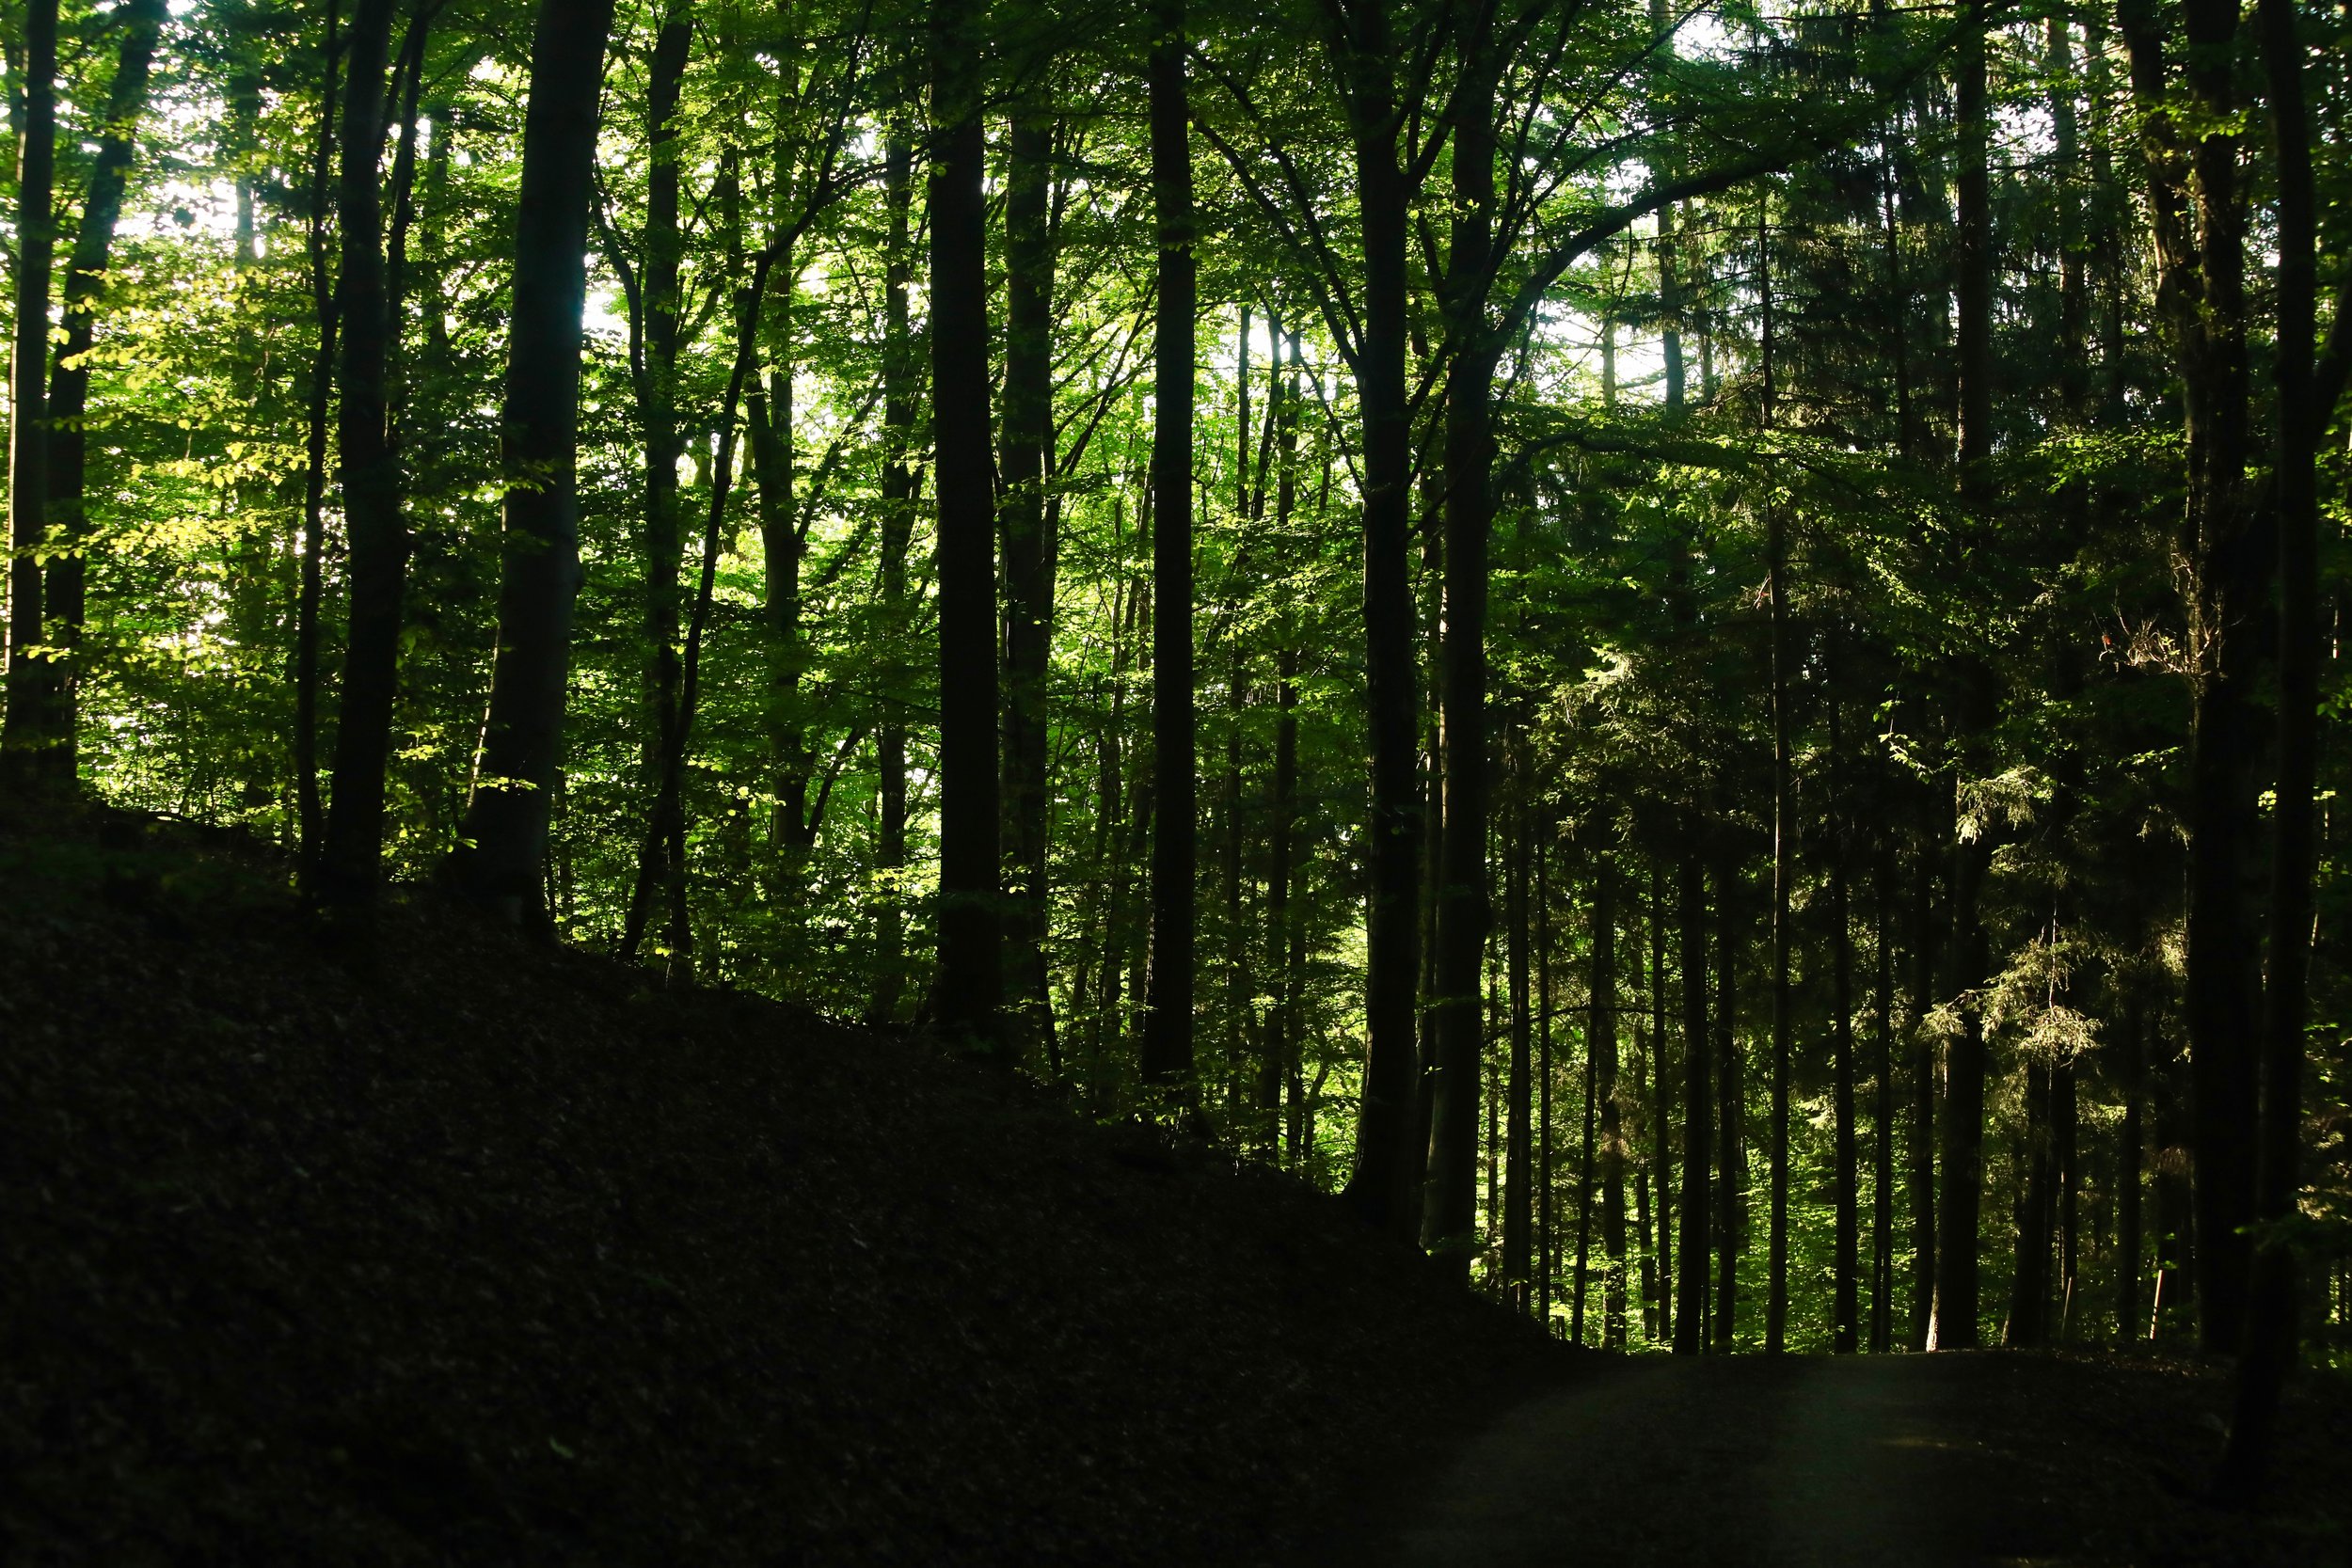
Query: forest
x=1692 y=649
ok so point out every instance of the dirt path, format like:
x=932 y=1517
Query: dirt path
x=1876 y=1460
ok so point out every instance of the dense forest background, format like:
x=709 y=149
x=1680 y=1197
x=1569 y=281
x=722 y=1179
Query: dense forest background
x=1697 y=649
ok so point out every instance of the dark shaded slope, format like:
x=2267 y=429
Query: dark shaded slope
x=492 y=1254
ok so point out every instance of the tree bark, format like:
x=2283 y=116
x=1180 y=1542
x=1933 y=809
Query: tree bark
x=1784 y=829
x=1167 y=1041
x=29 y=729
x=1731 y=1100
x=1386 y=1184
x=1962 y=1196
x=1920 y=1150
x=901 y=378
x=1603 y=1047
x=351 y=865
x=310 y=814
x=2199 y=223
x=1845 y=1303
x=1883 y=1105
x=1462 y=914
x=661 y=853
x=502 y=854
x=1697 y=1124
x=968 y=995
x=1519 y=1199
x=1029 y=427
x=2267 y=1341
x=69 y=381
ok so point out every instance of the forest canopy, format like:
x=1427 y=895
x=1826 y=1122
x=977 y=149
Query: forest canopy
x=1694 y=648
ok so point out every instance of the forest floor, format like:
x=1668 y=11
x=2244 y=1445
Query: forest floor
x=452 y=1248
x=462 y=1249
x=2060 y=1460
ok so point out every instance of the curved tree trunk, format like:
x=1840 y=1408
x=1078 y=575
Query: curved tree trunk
x=69 y=382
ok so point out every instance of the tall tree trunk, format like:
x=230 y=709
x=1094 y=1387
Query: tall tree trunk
x=902 y=375
x=1603 y=1047
x=2029 y=1282
x=660 y=852
x=1579 y=1281
x=1518 y=1201
x=1661 y=1115
x=502 y=854
x=1168 y=1042
x=310 y=815
x=2131 y=1138
x=1547 y=1198
x=1697 y=1124
x=2065 y=1153
x=69 y=382
x=2177 y=1241
x=1731 y=1101
x=1846 y=1303
x=1784 y=828
x=969 y=990
x=2305 y=411
x=351 y=866
x=1028 y=429
x=1919 y=1152
x=29 y=729
x=1962 y=1127
x=1462 y=914
x=2199 y=220
x=1387 y=1180
x=1882 y=1103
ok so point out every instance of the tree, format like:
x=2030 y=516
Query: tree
x=502 y=854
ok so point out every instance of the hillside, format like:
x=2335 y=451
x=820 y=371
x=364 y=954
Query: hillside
x=474 y=1251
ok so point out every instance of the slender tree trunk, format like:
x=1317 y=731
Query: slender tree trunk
x=1697 y=1143
x=1883 y=1105
x=1519 y=1202
x=1168 y=1042
x=2131 y=1138
x=1784 y=829
x=69 y=382
x=1387 y=1179
x=2065 y=1152
x=30 y=726
x=311 y=812
x=2177 y=1240
x=1661 y=1115
x=2199 y=223
x=1462 y=914
x=2030 y=1283
x=1963 y=1128
x=660 y=850
x=969 y=992
x=2267 y=1344
x=1578 y=1280
x=1845 y=1303
x=1920 y=1150
x=902 y=375
x=502 y=848
x=351 y=866
x=1547 y=1198
x=1731 y=1100
x=1028 y=430
x=1603 y=1047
